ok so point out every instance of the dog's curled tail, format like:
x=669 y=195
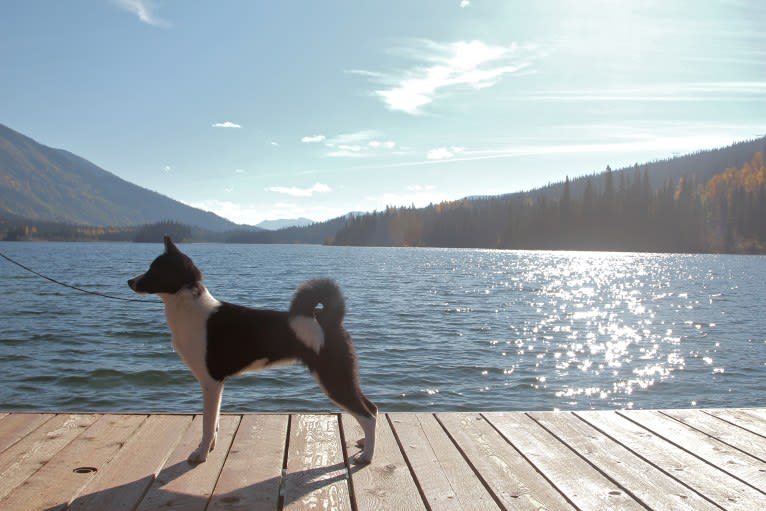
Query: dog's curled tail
x=313 y=292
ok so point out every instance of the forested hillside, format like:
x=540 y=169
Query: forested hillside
x=676 y=205
x=726 y=213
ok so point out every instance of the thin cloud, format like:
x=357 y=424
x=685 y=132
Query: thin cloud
x=347 y=151
x=465 y=3
x=227 y=124
x=363 y=72
x=420 y=188
x=439 y=68
x=653 y=144
x=663 y=92
x=388 y=144
x=251 y=214
x=443 y=153
x=359 y=144
x=312 y=139
x=234 y=211
x=300 y=192
x=144 y=10
x=352 y=138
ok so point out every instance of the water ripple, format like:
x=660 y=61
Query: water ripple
x=435 y=329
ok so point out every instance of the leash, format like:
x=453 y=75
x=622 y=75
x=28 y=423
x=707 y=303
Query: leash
x=86 y=291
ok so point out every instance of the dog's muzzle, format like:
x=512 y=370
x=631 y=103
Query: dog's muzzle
x=133 y=282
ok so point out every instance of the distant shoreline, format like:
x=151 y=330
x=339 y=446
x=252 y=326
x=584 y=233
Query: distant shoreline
x=759 y=252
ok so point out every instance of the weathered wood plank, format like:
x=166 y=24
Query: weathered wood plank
x=705 y=479
x=445 y=478
x=588 y=490
x=16 y=426
x=513 y=481
x=750 y=419
x=57 y=483
x=682 y=459
x=386 y=483
x=316 y=476
x=759 y=413
x=713 y=451
x=251 y=477
x=184 y=486
x=121 y=484
x=35 y=450
x=649 y=485
x=742 y=439
x=423 y=460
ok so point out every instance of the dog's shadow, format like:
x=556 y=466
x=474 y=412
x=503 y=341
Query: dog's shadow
x=271 y=493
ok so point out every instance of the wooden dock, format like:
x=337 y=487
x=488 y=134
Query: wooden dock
x=660 y=459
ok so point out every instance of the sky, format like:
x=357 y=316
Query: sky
x=264 y=110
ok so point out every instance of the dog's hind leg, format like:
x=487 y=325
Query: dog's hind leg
x=212 y=391
x=374 y=410
x=368 y=442
x=350 y=398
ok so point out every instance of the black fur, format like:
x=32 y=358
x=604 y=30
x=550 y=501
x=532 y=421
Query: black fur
x=239 y=336
x=168 y=273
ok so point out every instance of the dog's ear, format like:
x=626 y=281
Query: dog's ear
x=169 y=246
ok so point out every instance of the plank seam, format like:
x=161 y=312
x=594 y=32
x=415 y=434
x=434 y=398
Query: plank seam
x=409 y=464
x=428 y=438
x=713 y=437
x=468 y=461
x=740 y=426
x=593 y=465
x=647 y=460
x=78 y=491
x=53 y=455
x=349 y=479
x=161 y=464
x=531 y=464
x=49 y=417
x=707 y=462
x=283 y=472
x=84 y=489
x=226 y=457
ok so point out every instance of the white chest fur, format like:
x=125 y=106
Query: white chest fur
x=187 y=313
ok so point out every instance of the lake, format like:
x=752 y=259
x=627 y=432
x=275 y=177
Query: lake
x=435 y=329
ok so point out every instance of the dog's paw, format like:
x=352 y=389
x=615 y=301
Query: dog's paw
x=361 y=458
x=198 y=456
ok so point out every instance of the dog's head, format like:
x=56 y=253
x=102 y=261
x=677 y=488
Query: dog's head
x=169 y=273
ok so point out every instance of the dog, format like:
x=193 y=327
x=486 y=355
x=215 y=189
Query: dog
x=217 y=340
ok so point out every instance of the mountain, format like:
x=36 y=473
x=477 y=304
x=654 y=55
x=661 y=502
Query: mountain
x=274 y=225
x=46 y=184
x=710 y=201
x=316 y=233
x=698 y=166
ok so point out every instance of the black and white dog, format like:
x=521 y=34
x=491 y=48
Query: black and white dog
x=218 y=339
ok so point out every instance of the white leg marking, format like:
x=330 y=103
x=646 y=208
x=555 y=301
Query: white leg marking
x=368 y=426
x=212 y=391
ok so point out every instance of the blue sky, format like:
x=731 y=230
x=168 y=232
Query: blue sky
x=261 y=110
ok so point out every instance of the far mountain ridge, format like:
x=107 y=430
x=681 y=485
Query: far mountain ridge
x=42 y=183
x=283 y=223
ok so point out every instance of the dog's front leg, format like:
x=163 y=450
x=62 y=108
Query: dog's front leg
x=211 y=401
